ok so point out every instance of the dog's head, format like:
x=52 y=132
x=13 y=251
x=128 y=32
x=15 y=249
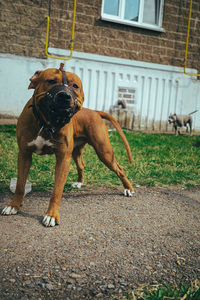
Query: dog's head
x=58 y=95
x=172 y=118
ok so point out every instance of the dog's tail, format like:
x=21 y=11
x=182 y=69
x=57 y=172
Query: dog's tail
x=119 y=130
x=193 y=112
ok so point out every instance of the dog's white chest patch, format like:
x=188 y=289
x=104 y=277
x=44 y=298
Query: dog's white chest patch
x=39 y=143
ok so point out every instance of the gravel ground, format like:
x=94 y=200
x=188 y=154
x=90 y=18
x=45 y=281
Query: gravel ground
x=106 y=243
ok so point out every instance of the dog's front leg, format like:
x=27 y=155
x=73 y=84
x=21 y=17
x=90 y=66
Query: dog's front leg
x=24 y=163
x=190 y=125
x=52 y=216
x=176 y=129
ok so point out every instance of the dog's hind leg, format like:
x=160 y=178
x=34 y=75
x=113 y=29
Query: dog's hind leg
x=105 y=153
x=108 y=158
x=24 y=163
x=110 y=161
x=78 y=158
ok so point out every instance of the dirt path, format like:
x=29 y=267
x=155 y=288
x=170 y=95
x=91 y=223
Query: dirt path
x=106 y=243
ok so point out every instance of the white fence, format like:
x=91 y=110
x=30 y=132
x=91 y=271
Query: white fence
x=150 y=91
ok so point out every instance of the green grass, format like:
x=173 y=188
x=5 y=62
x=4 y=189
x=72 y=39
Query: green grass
x=158 y=160
x=160 y=292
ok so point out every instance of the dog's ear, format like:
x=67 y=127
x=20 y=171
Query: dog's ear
x=34 y=80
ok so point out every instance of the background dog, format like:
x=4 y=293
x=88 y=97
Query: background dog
x=179 y=121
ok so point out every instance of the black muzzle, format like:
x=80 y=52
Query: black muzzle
x=58 y=105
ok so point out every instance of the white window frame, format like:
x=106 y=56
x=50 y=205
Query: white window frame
x=120 y=18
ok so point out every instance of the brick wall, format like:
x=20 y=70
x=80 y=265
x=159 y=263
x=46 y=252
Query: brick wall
x=23 y=31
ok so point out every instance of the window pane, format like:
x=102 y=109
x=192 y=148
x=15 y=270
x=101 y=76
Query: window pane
x=111 y=7
x=132 y=10
x=151 y=11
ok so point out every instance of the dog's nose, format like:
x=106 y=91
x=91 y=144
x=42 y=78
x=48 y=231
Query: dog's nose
x=63 y=98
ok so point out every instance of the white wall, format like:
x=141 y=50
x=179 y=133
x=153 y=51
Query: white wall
x=159 y=89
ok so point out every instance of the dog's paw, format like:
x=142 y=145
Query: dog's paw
x=49 y=221
x=77 y=185
x=128 y=193
x=9 y=210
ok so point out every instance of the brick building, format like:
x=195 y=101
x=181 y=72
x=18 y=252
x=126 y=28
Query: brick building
x=155 y=33
x=23 y=31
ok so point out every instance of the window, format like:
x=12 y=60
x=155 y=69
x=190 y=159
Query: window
x=140 y=13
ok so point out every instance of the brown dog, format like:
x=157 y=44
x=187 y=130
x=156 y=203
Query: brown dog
x=52 y=122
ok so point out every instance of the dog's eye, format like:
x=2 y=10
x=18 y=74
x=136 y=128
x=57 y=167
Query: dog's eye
x=75 y=86
x=51 y=81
